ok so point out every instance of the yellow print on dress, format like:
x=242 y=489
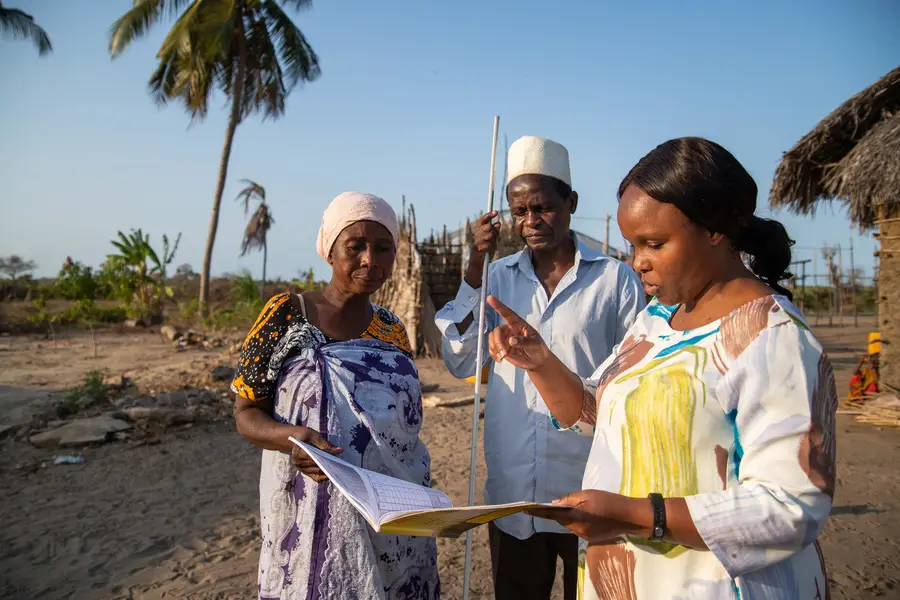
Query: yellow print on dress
x=657 y=444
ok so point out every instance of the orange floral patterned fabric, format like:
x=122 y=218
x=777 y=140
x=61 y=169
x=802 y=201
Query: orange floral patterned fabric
x=281 y=330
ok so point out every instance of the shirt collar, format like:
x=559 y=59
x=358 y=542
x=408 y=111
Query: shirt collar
x=583 y=252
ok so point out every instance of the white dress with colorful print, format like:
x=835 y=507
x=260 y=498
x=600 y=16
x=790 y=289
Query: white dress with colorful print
x=737 y=417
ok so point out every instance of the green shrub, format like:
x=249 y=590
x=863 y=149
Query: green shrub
x=76 y=282
x=241 y=316
x=92 y=389
x=112 y=314
x=189 y=310
x=43 y=317
x=244 y=288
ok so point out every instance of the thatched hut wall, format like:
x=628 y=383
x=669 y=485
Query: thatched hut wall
x=888 y=290
x=407 y=293
x=442 y=267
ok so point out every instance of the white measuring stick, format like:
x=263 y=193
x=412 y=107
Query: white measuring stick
x=478 y=368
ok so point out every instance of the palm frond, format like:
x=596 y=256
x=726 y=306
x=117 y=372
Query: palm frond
x=188 y=58
x=218 y=22
x=121 y=247
x=20 y=25
x=263 y=80
x=257 y=229
x=301 y=64
x=252 y=191
x=253 y=184
x=298 y=5
x=125 y=240
x=137 y=21
x=153 y=256
x=169 y=255
x=231 y=40
x=211 y=40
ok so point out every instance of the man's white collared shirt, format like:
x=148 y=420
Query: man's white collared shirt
x=593 y=306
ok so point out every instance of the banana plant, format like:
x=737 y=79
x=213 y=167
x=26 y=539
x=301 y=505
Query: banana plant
x=138 y=271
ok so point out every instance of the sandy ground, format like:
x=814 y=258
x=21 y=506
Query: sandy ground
x=179 y=519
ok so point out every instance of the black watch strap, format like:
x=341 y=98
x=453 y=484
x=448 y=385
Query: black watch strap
x=659 y=516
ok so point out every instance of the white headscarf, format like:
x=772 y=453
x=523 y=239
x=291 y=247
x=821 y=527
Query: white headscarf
x=350 y=208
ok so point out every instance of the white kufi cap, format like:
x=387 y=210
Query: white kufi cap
x=531 y=155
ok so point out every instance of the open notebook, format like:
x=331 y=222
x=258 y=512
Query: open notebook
x=395 y=506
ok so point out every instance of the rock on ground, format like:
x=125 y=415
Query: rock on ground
x=223 y=373
x=80 y=432
x=169 y=332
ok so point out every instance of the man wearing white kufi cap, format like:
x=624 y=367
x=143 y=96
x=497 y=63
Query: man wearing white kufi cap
x=582 y=302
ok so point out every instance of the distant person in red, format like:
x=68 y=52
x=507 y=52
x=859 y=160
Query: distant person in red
x=865 y=378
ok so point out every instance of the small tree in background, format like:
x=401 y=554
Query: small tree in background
x=258 y=226
x=14 y=266
x=137 y=275
x=76 y=281
x=186 y=271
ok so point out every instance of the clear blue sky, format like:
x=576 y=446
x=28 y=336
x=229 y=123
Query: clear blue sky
x=405 y=105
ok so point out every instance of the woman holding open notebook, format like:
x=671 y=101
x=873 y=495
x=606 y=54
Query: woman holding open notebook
x=335 y=371
x=712 y=466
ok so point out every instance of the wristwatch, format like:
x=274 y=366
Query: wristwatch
x=659 y=516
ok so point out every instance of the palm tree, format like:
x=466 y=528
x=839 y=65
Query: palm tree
x=248 y=49
x=19 y=25
x=258 y=225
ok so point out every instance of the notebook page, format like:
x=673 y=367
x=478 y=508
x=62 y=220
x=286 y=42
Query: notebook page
x=374 y=493
x=350 y=480
x=396 y=495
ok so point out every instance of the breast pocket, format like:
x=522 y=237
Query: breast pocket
x=581 y=331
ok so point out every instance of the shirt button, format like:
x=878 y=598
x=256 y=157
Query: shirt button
x=541 y=425
x=540 y=462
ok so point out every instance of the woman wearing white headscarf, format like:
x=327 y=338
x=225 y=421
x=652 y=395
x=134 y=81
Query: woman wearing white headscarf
x=334 y=370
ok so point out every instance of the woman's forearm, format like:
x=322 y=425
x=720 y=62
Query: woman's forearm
x=261 y=430
x=561 y=389
x=680 y=527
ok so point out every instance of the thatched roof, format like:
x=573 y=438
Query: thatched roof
x=870 y=173
x=852 y=155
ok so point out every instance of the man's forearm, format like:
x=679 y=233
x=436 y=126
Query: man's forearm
x=474 y=270
x=473 y=280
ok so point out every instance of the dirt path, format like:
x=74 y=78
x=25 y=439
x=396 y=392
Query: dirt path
x=179 y=519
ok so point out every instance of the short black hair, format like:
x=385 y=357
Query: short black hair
x=558 y=185
x=562 y=188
